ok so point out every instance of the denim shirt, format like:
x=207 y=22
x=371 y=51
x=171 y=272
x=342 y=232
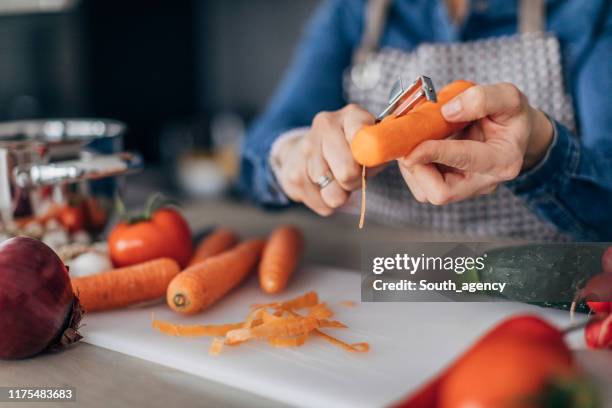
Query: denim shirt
x=571 y=187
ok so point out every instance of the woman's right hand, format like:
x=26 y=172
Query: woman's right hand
x=323 y=151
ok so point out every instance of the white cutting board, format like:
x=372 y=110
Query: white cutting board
x=410 y=342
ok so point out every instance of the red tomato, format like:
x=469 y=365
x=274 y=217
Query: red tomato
x=165 y=234
x=505 y=372
x=497 y=367
x=73 y=217
x=600 y=307
x=598 y=333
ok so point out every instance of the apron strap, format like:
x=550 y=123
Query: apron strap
x=531 y=16
x=531 y=19
x=375 y=17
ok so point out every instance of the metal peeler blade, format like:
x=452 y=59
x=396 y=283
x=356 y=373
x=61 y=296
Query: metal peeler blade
x=402 y=99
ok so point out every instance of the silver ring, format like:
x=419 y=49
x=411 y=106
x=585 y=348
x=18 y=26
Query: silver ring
x=324 y=180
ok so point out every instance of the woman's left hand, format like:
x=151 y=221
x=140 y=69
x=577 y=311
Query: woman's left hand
x=507 y=136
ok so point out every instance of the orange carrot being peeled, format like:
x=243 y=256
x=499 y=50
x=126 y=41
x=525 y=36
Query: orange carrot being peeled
x=125 y=286
x=204 y=283
x=280 y=258
x=216 y=242
x=396 y=137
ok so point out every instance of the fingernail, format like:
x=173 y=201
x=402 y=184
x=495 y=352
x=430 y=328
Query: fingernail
x=452 y=108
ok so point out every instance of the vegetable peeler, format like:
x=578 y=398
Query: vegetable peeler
x=403 y=99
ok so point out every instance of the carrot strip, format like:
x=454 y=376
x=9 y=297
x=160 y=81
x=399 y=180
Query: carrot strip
x=347 y=303
x=362 y=210
x=216 y=346
x=283 y=342
x=332 y=323
x=253 y=317
x=125 y=286
x=194 y=330
x=206 y=282
x=308 y=299
x=280 y=258
x=355 y=348
x=320 y=311
x=278 y=323
x=213 y=244
x=282 y=327
x=268 y=317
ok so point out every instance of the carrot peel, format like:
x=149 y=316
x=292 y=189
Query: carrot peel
x=278 y=323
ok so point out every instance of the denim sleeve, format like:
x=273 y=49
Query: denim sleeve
x=312 y=84
x=572 y=186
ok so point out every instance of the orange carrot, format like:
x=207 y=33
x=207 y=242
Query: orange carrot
x=218 y=241
x=125 y=286
x=204 y=283
x=396 y=137
x=280 y=258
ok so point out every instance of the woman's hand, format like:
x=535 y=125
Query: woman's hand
x=324 y=151
x=507 y=135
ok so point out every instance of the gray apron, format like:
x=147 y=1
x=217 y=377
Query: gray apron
x=531 y=60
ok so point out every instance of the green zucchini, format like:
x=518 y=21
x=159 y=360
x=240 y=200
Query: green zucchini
x=546 y=274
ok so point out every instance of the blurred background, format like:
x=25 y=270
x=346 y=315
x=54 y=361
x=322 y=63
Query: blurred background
x=186 y=76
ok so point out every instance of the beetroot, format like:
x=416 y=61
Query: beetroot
x=38 y=310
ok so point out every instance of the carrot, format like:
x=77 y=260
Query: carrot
x=280 y=258
x=204 y=283
x=396 y=137
x=218 y=241
x=125 y=286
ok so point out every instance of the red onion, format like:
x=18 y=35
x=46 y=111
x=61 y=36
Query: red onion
x=38 y=310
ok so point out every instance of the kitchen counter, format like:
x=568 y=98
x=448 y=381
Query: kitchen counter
x=98 y=375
